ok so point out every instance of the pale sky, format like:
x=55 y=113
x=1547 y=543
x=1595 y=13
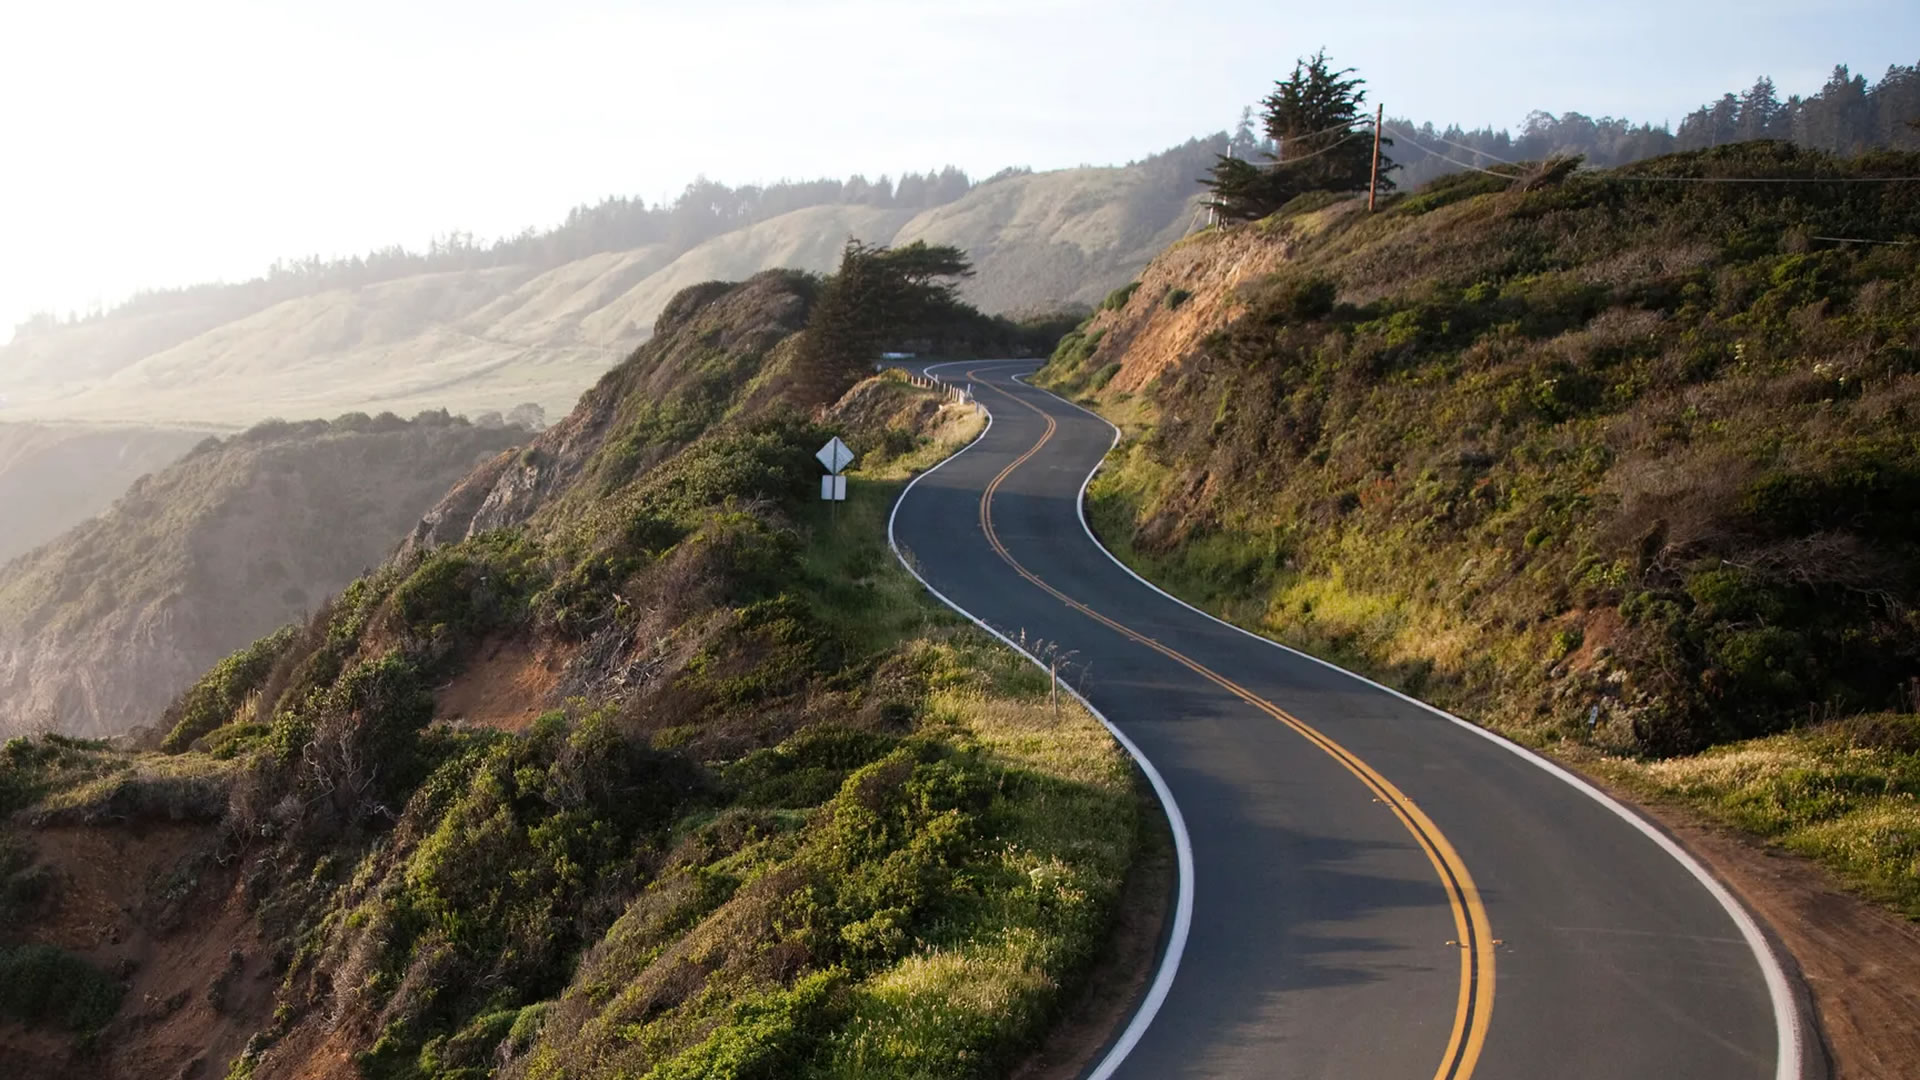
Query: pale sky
x=154 y=144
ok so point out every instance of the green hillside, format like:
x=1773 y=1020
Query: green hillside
x=1613 y=463
x=636 y=762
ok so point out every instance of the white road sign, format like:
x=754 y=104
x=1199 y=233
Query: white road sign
x=835 y=455
x=833 y=488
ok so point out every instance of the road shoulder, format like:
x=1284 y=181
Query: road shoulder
x=1859 y=962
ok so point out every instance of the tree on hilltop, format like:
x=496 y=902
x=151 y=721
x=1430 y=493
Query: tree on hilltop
x=878 y=296
x=1317 y=119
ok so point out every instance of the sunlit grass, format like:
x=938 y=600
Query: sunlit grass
x=1818 y=792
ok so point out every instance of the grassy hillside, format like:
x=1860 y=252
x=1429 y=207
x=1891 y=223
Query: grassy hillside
x=489 y=339
x=53 y=477
x=100 y=627
x=637 y=762
x=1619 y=466
x=1066 y=238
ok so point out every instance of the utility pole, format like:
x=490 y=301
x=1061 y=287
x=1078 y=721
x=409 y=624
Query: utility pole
x=1373 y=182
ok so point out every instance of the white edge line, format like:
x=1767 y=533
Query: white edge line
x=1788 y=1054
x=1182 y=844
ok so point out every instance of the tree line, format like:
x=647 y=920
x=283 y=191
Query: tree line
x=1312 y=134
x=1847 y=115
x=1314 y=126
x=705 y=209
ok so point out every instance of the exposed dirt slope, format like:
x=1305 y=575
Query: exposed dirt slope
x=148 y=904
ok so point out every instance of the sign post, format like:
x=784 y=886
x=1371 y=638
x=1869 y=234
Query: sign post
x=836 y=457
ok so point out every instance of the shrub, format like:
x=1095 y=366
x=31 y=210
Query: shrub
x=213 y=700
x=1118 y=298
x=1300 y=298
x=1176 y=297
x=768 y=1036
x=41 y=984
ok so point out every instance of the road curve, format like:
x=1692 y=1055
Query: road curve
x=1376 y=890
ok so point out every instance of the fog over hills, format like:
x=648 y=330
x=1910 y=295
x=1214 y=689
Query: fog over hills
x=101 y=626
x=55 y=476
x=491 y=337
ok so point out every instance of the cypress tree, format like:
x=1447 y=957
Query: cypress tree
x=1318 y=120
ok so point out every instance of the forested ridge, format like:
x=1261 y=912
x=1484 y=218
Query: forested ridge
x=1847 y=114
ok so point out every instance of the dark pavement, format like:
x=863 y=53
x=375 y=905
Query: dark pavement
x=1377 y=891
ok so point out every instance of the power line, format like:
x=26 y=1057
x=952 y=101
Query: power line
x=1610 y=175
x=1463 y=146
x=1363 y=122
x=1598 y=174
x=1325 y=149
x=1860 y=240
x=1419 y=146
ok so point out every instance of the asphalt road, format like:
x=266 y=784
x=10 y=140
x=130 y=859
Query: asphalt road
x=1376 y=890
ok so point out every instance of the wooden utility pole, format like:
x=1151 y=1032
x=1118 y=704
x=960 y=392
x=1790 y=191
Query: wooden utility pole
x=1373 y=182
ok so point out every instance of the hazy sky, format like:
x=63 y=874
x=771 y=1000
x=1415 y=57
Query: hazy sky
x=155 y=144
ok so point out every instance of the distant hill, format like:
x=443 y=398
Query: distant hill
x=491 y=337
x=53 y=477
x=101 y=627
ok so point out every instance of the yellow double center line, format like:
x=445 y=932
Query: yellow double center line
x=1475 y=942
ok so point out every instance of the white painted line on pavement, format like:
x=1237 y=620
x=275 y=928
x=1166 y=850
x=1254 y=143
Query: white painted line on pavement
x=1789 y=1054
x=1182 y=843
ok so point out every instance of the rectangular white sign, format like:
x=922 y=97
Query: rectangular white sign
x=833 y=488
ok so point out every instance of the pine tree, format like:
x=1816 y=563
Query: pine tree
x=1316 y=119
x=1245 y=142
x=1723 y=121
x=1759 y=112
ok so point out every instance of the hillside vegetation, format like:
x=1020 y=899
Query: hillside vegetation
x=540 y=326
x=636 y=762
x=102 y=626
x=1602 y=461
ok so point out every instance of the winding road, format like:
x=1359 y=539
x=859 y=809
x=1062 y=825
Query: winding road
x=1369 y=888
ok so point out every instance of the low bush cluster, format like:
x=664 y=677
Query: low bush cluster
x=827 y=832
x=41 y=984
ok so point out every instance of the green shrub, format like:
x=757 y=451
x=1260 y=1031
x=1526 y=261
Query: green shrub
x=213 y=700
x=1176 y=297
x=768 y=1037
x=459 y=593
x=41 y=984
x=24 y=886
x=807 y=769
x=1118 y=298
x=1300 y=298
x=31 y=767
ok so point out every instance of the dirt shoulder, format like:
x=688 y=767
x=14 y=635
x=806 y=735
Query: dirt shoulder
x=1860 y=963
